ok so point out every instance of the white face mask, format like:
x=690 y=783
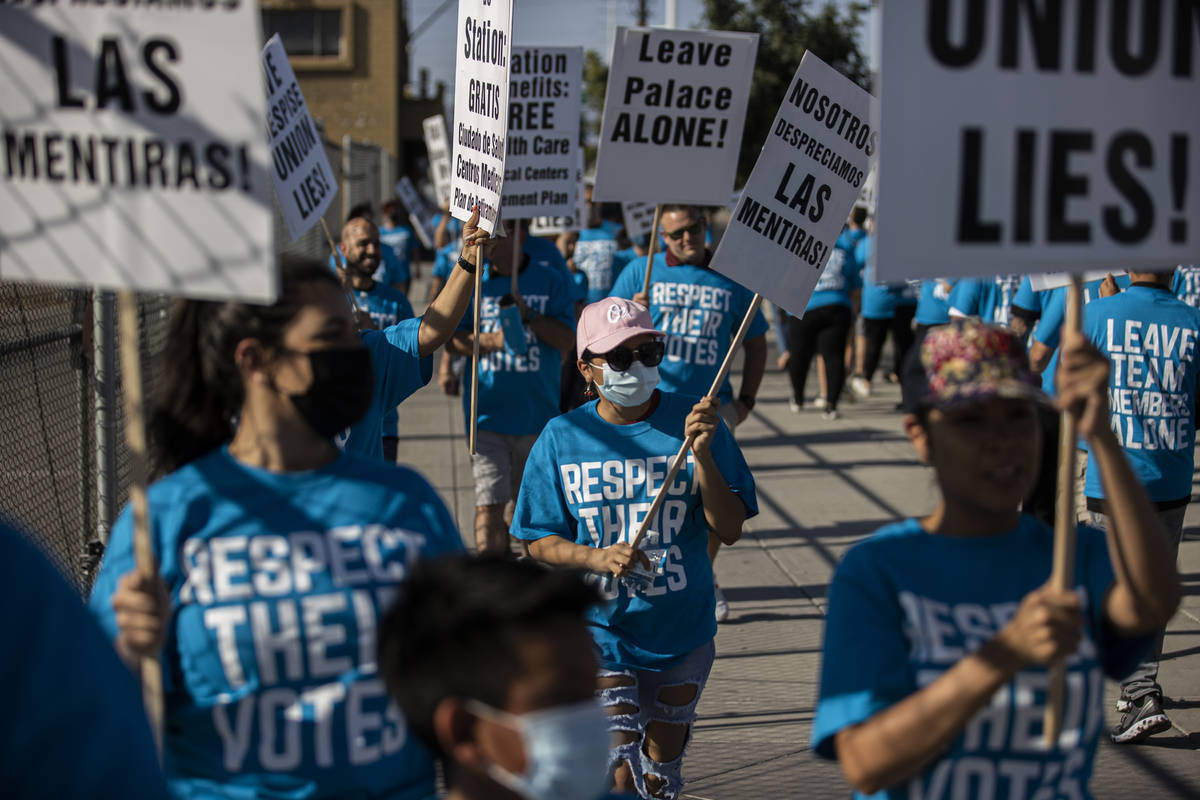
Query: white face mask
x=629 y=388
x=566 y=750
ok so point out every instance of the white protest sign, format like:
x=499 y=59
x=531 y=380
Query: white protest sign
x=1038 y=137
x=481 y=108
x=866 y=195
x=549 y=226
x=639 y=218
x=1055 y=280
x=418 y=213
x=544 y=103
x=304 y=181
x=674 y=111
x=781 y=233
x=437 y=146
x=135 y=150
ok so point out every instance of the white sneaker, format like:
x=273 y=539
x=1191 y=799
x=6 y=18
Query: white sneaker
x=817 y=402
x=860 y=387
x=830 y=414
x=722 y=612
x=793 y=405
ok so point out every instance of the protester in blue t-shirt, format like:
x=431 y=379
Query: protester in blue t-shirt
x=886 y=309
x=989 y=299
x=825 y=326
x=1026 y=308
x=73 y=726
x=402 y=353
x=387 y=307
x=1187 y=284
x=940 y=629
x=503 y=644
x=277 y=555
x=933 y=305
x=594 y=252
x=518 y=381
x=401 y=240
x=1150 y=337
x=638 y=248
x=591 y=478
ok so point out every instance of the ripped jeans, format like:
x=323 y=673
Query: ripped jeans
x=644 y=706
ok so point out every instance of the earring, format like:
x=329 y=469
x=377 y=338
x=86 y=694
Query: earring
x=589 y=391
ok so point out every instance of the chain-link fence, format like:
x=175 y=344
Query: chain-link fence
x=64 y=466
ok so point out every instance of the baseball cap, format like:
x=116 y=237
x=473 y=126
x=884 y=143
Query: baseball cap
x=965 y=361
x=609 y=322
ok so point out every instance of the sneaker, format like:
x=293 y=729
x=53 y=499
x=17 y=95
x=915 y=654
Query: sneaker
x=817 y=402
x=1144 y=718
x=793 y=405
x=1123 y=704
x=830 y=414
x=860 y=387
x=722 y=612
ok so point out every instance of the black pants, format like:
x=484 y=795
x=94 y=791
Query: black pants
x=821 y=330
x=876 y=330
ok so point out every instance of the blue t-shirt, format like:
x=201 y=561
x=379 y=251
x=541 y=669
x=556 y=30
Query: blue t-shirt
x=1026 y=298
x=933 y=306
x=518 y=393
x=595 y=252
x=399 y=371
x=445 y=260
x=840 y=276
x=544 y=251
x=700 y=311
x=454 y=227
x=623 y=257
x=1149 y=335
x=879 y=300
x=387 y=306
x=591 y=482
x=989 y=300
x=277 y=583
x=402 y=241
x=906 y=605
x=73 y=721
x=1054 y=312
x=1187 y=285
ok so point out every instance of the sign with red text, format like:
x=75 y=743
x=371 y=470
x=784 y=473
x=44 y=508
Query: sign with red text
x=674 y=112
x=135 y=148
x=1038 y=137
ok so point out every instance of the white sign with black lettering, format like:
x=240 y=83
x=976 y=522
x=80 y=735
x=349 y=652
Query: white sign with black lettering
x=550 y=226
x=639 y=218
x=781 y=233
x=543 y=131
x=418 y=213
x=674 y=111
x=1038 y=137
x=437 y=147
x=135 y=154
x=304 y=180
x=481 y=109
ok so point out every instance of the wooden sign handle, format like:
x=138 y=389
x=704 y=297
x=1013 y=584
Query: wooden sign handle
x=1062 y=573
x=474 y=421
x=650 y=249
x=143 y=548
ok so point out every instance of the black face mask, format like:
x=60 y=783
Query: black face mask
x=341 y=392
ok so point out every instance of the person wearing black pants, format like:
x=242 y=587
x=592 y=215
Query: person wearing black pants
x=821 y=330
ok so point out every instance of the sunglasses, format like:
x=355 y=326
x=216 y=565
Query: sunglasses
x=695 y=229
x=621 y=357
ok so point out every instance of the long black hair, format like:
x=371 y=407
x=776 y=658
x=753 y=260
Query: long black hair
x=201 y=388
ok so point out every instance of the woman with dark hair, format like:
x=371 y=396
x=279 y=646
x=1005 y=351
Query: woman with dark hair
x=277 y=554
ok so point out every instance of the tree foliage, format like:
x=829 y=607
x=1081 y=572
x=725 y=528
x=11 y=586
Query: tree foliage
x=786 y=28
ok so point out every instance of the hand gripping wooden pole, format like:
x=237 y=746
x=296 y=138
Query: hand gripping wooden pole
x=1062 y=574
x=650 y=250
x=474 y=421
x=135 y=437
x=681 y=456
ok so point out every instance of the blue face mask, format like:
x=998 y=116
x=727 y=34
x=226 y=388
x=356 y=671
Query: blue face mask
x=629 y=388
x=566 y=750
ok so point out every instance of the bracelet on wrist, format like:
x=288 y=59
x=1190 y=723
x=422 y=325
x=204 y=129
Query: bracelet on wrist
x=466 y=266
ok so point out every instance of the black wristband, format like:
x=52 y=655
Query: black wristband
x=467 y=266
x=747 y=400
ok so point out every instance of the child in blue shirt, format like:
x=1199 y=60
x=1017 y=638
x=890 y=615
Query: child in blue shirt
x=940 y=629
x=593 y=475
x=277 y=553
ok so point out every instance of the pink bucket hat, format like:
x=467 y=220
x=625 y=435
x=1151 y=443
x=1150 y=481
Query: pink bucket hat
x=609 y=322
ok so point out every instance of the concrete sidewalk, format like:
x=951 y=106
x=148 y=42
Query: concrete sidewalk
x=821 y=486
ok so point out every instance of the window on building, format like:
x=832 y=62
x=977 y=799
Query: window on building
x=306 y=31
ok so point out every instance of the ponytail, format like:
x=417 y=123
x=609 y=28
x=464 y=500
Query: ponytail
x=202 y=390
